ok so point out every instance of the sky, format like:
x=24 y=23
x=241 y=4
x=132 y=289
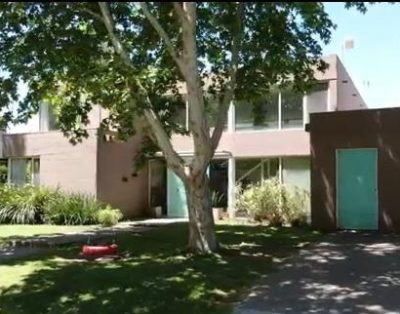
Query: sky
x=375 y=57
x=373 y=63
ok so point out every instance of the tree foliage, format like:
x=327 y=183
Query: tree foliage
x=137 y=59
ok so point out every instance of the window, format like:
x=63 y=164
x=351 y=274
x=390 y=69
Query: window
x=47 y=118
x=158 y=181
x=296 y=172
x=24 y=171
x=219 y=182
x=252 y=171
x=211 y=107
x=258 y=114
x=3 y=171
x=292 y=109
x=317 y=99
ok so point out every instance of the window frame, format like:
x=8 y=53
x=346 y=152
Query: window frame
x=32 y=163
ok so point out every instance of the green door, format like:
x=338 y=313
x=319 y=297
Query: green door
x=176 y=196
x=357 y=189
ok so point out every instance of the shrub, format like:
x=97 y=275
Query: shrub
x=72 y=209
x=23 y=205
x=31 y=205
x=109 y=216
x=296 y=204
x=262 y=201
x=274 y=203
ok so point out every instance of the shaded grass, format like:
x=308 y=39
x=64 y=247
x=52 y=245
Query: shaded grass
x=159 y=276
x=11 y=232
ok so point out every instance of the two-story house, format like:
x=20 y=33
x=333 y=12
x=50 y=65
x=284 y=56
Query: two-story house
x=260 y=141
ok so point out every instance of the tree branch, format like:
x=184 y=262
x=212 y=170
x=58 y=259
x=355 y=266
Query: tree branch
x=180 y=12
x=109 y=23
x=229 y=93
x=174 y=161
x=94 y=14
x=164 y=36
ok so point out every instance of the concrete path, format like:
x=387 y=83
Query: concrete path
x=346 y=273
x=19 y=248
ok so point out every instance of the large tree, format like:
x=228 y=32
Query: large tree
x=133 y=59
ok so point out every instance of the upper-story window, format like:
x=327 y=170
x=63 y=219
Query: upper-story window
x=261 y=113
x=317 y=99
x=277 y=110
x=47 y=118
x=291 y=109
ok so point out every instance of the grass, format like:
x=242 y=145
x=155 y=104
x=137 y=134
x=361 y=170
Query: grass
x=8 y=232
x=158 y=276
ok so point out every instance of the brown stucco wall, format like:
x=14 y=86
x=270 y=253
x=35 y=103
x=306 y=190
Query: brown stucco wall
x=117 y=181
x=72 y=168
x=355 y=129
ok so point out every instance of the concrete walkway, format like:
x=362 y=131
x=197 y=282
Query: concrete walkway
x=346 y=273
x=19 y=248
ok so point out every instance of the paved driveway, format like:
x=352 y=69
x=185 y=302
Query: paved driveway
x=346 y=273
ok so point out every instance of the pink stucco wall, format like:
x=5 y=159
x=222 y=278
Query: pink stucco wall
x=255 y=143
x=118 y=182
x=348 y=97
x=70 y=167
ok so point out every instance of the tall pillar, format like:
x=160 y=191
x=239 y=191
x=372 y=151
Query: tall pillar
x=231 y=186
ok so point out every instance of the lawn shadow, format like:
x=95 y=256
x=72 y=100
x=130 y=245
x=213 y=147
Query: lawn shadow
x=158 y=275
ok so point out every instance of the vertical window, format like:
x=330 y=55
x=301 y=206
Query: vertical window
x=211 y=107
x=317 y=99
x=261 y=113
x=158 y=183
x=292 y=109
x=219 y=182
x=253 y=171
x=296 y=172
x=47 y=118
x=36 y=171
x=179 y=111
x=3 y=171
x=24 y=171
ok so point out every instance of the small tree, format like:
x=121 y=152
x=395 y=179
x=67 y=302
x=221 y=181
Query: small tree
x=128 y=57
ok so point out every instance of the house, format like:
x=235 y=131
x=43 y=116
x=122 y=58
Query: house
x=257 y=143
x=355 y=177
x=96 y=166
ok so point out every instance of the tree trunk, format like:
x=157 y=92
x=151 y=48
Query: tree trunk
x=202 y=237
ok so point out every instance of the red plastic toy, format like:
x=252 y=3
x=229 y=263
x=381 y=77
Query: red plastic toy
x=99 y=250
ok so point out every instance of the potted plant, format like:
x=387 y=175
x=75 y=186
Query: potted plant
x=216 y=199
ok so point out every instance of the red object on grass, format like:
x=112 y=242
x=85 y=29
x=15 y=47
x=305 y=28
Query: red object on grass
x=99 y=250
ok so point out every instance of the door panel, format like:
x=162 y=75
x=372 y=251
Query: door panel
x=177 y=205
x=357 y=189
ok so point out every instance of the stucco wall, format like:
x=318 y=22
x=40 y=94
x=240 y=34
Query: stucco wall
x=348 y=97
x=355 y=129
x=117 y=182
x=255 y=143
x=70 y=167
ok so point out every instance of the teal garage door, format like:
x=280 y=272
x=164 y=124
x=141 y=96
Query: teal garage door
x=176 y=196
x=357 y=189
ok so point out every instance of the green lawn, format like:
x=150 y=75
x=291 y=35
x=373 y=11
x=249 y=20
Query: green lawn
x=8 y=232
x=160 y=276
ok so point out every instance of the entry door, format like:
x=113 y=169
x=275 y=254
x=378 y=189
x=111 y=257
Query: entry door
x=177 y=205
x=357 y=189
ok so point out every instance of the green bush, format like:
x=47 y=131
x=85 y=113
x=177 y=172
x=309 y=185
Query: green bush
x=23 y=205
x=109 y=216
x=296 y=204
x=274 y=203
x=72 y=209
x=34 y=205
